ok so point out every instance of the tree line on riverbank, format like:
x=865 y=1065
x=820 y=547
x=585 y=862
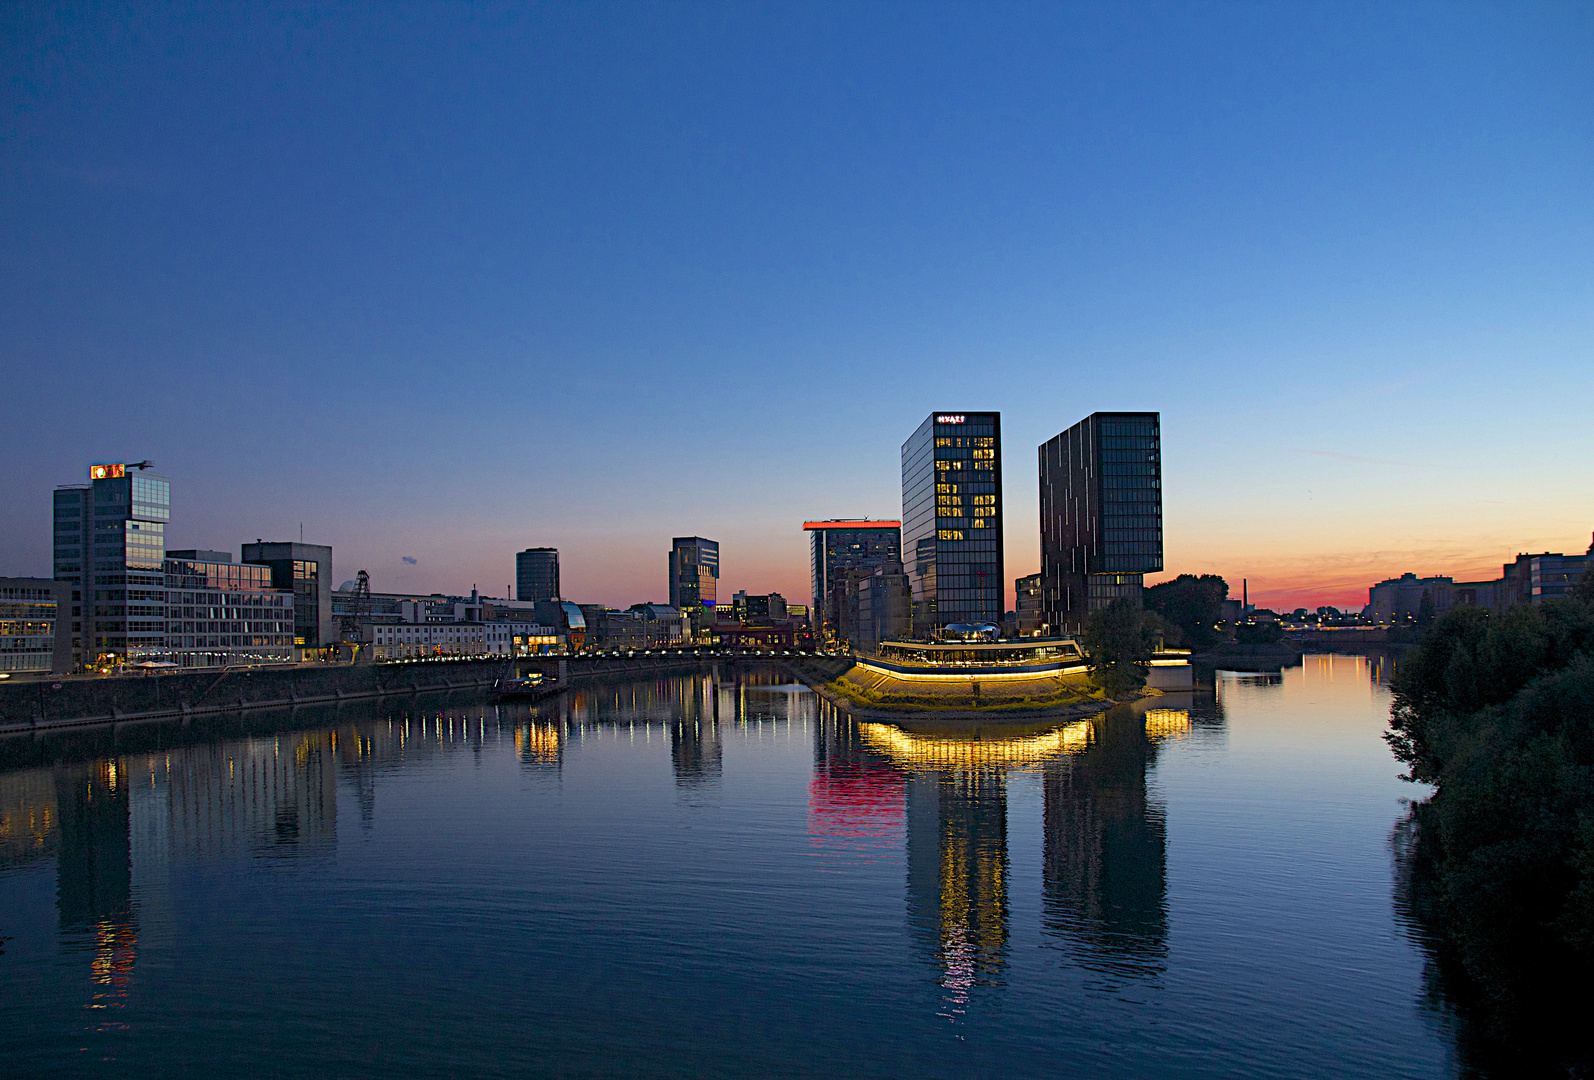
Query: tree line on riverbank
x=1496 y=711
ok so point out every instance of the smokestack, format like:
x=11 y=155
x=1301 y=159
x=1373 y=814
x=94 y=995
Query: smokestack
x=1245 y=594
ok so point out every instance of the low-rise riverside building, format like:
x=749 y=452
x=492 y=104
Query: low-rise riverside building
x=1531 y=579
x=398 y=641
x=225 y=614
x=34 y=634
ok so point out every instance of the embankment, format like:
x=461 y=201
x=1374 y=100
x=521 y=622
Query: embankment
x=31 y=706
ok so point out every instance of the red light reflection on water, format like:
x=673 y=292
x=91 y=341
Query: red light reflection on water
x=856 y=809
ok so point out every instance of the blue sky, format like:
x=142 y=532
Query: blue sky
x=446 y=281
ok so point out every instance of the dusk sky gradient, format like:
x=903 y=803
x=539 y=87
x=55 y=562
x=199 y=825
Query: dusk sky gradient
x=446 y=281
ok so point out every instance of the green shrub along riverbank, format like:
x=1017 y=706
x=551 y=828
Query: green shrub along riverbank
x=1497 y=867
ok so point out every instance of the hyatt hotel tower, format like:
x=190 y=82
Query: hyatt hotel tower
x=952 y=520
x=1101 y=515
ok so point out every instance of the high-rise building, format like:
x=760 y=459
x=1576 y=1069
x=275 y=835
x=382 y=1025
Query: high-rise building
x=952 y=520
x=694 y=575
x=879 y=606
x=1101 y=515
x=307 y=570
x=840 y=546
x=537 y=574
x=109 y=545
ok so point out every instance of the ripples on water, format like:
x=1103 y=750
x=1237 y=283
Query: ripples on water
x=716 y=876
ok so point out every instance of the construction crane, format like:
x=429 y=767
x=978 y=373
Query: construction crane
x=359 y=608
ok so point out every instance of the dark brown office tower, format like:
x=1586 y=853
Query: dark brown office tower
x=1101 y=515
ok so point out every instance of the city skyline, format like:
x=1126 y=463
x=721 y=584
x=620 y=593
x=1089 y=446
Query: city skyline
x=1350 y=270
x=1338 y=583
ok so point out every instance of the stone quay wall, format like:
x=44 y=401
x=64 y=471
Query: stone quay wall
x=39 y=704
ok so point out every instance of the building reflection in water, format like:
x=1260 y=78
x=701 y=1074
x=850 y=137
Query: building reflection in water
x=957 y=861
x=94 y=876
x=1105 y=854
x=1104 y=859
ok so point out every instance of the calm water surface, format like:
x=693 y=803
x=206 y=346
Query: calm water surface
x=717 y=877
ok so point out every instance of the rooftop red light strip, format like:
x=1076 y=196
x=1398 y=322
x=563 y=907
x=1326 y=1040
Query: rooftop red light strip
x=852 y=524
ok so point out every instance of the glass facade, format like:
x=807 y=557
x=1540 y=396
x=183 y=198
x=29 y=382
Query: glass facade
x=109 y=546
x=840 y=546
x=1101 y=515
x=694 y=574
x=226 y=613
x=537 y=574
x=952 y=519
x=306 y=570
x=29 y=611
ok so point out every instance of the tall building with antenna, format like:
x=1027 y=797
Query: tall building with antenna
x=109 y=546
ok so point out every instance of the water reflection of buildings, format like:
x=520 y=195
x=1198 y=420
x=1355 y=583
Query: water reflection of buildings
x=1105 y=848
x=694 y=711
x=957 y=874
x=1104 y=877
x=94 y=893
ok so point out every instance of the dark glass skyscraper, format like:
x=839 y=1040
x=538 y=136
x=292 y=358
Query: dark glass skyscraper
x=952 y=519
x=694 y=574
x=840 y=545
x=1101 y=515
x=537 y=574
x=110 y=543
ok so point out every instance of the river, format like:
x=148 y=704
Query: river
x=718 y=877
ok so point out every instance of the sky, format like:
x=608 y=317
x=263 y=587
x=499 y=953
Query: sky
x=441 y=282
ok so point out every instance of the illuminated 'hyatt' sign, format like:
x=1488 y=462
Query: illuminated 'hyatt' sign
x=958 y=419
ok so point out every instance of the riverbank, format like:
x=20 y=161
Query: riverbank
x=39 y=705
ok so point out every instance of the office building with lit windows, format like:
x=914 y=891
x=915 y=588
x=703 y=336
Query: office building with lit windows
x=306 y=571
x=109 y=546
x=1101 y=515
x=31 y=610
x=952 y=520
x=694 y=576
x=537 y=574
x=840 y=546
x=222 y=613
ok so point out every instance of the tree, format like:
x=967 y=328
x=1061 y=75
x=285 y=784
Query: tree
x=1584 y=589
x=1193 y=604
x=1117 y=638
x=1425 y=610
x=1496 y=710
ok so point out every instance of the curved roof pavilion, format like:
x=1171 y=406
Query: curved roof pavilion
x=1016 y=653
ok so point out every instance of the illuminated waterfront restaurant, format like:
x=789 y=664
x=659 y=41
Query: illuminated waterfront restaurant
x=1022 y=655
x=966 y=650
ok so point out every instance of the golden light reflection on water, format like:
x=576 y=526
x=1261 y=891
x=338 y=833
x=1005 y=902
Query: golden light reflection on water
x=970 y=752
x=1167 y=724
x=538 y=743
